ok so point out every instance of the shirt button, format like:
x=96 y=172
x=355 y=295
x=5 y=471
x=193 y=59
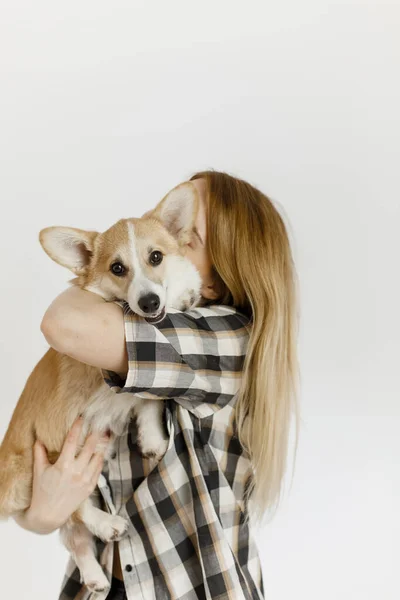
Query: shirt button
x=113 y=455
x=128 y=568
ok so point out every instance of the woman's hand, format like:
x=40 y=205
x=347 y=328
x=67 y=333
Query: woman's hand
x=59 y=489
x=85 y=327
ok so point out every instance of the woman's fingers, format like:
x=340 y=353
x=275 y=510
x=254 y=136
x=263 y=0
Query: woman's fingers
x=40 y=458
x=95 y=468
x=89 y=448
x=70 y=446
x=89 y=463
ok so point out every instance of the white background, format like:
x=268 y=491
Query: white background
x=105 y=106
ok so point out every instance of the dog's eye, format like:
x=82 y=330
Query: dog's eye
x=156 y=257
x=118 y=269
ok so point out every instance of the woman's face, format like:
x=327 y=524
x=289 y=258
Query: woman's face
x=196 y=251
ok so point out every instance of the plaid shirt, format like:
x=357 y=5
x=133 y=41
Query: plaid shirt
x=186 y=538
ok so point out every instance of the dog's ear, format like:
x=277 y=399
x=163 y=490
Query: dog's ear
x=69 y=247
x=177 y=211
x=148 y=214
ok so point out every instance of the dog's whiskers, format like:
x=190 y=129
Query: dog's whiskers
x=127 y=309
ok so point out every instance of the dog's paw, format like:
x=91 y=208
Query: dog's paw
x=112 y=529
x=188 y=300
x=97 y=586
x=96 y=582
x=153 y=446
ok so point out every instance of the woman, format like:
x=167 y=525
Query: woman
x=189 y=535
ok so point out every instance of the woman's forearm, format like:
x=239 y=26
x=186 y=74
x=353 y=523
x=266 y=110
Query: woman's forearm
x=85 y=327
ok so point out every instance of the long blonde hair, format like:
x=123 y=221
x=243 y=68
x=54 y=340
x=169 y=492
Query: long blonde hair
x=253 y=267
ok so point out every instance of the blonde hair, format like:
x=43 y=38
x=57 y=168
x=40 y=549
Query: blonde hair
x=254 y=271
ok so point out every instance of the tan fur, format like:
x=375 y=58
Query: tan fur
x=57 y=391
x=60 y=388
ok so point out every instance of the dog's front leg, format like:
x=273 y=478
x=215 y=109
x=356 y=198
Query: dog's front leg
x=109 y=528
x=152 y=439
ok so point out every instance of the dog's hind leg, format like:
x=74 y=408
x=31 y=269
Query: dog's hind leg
x=15 y=486
x=80 y=543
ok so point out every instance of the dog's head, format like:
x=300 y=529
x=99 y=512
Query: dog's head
x=140 y=260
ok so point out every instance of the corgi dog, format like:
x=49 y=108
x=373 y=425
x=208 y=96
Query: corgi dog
x=141 y=262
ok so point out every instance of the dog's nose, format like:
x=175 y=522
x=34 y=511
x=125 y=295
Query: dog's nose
x=149 y=303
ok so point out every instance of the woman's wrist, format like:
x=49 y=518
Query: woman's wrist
x=36 y=522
